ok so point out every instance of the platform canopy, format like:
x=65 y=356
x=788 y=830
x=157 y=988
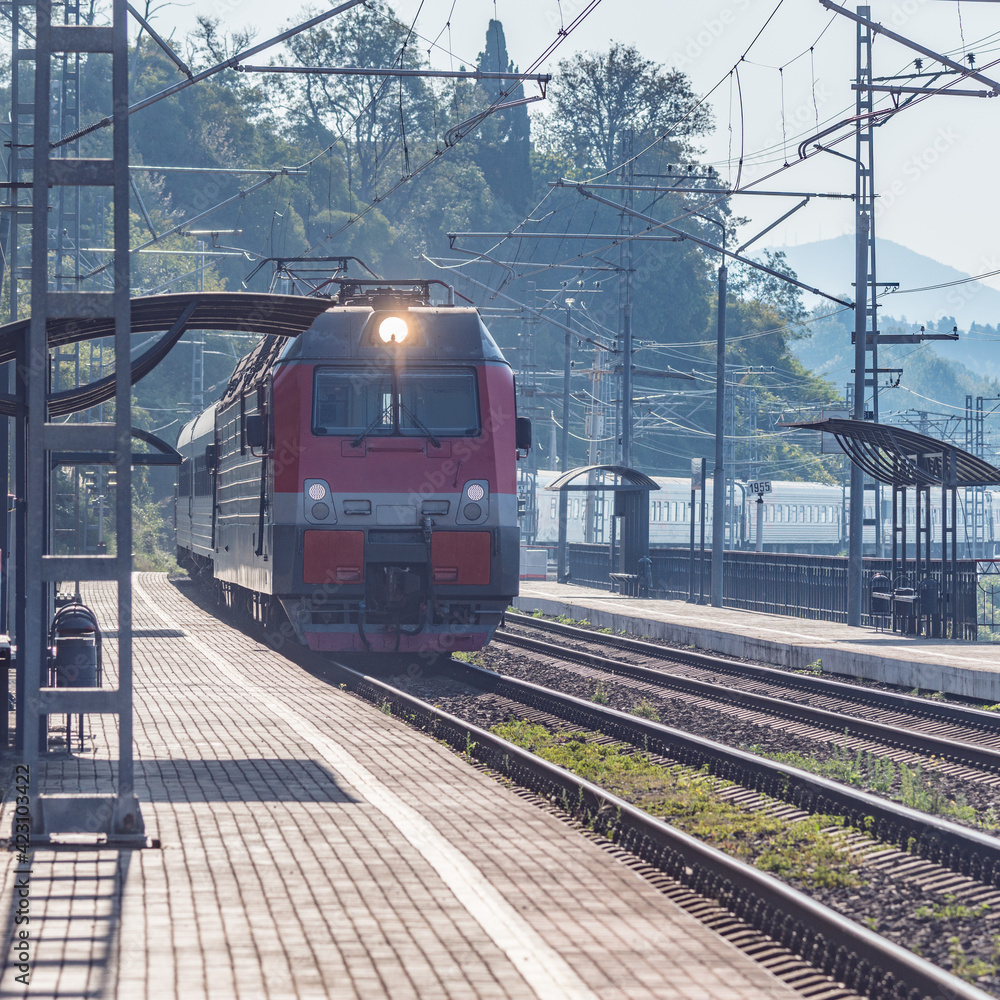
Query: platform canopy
x=171 y=315
x=632 y=479
x=904 y=458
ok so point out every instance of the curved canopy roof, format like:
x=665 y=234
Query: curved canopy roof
x=636 y=480
x=902 y=457
x=279 y=315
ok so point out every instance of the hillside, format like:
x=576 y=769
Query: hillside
x=829 y=264
x=974 y=308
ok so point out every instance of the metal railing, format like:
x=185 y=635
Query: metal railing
x=804 y=586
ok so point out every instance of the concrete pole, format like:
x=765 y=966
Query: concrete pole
x=855 y=579
x=595 y=430
x=719 y=476
x=562 y=566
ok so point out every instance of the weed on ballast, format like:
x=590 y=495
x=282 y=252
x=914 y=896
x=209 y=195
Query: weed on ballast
x=600 y=695
x=815 y=669
x=911 y=786
x=861 y=769
x=972 y=970
x=688 y=800
x=645 y=709
x=951 y=909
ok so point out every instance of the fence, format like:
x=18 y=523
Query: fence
x=806 y=586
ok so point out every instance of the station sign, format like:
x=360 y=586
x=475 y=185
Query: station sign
x=759 y=487
x=698 y=476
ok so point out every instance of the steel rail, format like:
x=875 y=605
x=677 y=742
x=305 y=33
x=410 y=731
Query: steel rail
x=850 y=953
x=967 y=754
x=937 y=711
x=973 y=852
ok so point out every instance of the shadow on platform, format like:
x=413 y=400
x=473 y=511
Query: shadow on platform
x=256 y=779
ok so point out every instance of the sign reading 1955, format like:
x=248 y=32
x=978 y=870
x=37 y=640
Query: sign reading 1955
x=759 y=486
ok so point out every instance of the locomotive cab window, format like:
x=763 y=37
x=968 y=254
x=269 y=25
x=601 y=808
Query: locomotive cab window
x=350 y=402
x=412 y=403
x=439 y=401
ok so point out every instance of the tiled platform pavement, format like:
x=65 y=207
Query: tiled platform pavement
x=971 y=669
x=314 y=847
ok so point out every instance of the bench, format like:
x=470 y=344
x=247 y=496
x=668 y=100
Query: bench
x=625 y=583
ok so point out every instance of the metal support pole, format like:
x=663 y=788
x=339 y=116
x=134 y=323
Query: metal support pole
x=760 y=524
x=20 y=536
x=701 y=552
x=562 y=566
x=691 y=549
x=719 y=477
x=857 y=512
x=627 y=423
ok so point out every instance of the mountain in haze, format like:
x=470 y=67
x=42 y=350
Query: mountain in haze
x=973 y=307
x=829 y=265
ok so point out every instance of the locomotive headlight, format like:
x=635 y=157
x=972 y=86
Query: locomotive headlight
x=393 y=328
x=317 y=502
x=475 y=502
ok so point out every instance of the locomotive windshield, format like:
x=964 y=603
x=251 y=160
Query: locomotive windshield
x=414 y=403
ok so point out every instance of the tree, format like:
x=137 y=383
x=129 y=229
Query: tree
x=749 y=283
x=599 y=95
x=503 y=153
x=373 y=119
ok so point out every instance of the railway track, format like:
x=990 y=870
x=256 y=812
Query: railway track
x=958 y=848
x=752 y=908
x=965 y=742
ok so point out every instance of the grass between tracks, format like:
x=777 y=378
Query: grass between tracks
x=912 y=786
x=792 y=849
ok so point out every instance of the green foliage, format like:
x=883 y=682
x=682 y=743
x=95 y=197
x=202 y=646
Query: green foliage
x=863 y=769
x=951 y=909
x=152 y=538
x=814 y=669
x=977 y=968
x=800 y=850
x=645 y=709
x=503 y=152
x=912 y=786
x=597 y=95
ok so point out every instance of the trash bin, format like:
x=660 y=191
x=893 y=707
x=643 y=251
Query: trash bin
x=881 y=589
x=75 y=637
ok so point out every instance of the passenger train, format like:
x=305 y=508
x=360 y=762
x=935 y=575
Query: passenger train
x=360 y=478
x=798 y=517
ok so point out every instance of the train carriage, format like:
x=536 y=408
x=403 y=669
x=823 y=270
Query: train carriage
x=798 y=517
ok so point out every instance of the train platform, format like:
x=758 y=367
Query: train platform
x=970 y=669
x=311 y=846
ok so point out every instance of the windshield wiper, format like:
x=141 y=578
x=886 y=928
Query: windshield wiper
x=379 y=417
x=420 y=425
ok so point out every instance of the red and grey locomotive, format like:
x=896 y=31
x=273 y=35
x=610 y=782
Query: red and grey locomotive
x=361 y=475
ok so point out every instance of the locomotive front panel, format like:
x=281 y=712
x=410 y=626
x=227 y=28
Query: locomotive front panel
x=395 y=505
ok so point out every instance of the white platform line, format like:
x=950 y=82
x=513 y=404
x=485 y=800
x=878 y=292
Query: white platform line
x=542 y=968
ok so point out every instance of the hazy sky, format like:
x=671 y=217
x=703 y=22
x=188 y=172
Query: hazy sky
x=934 y=161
